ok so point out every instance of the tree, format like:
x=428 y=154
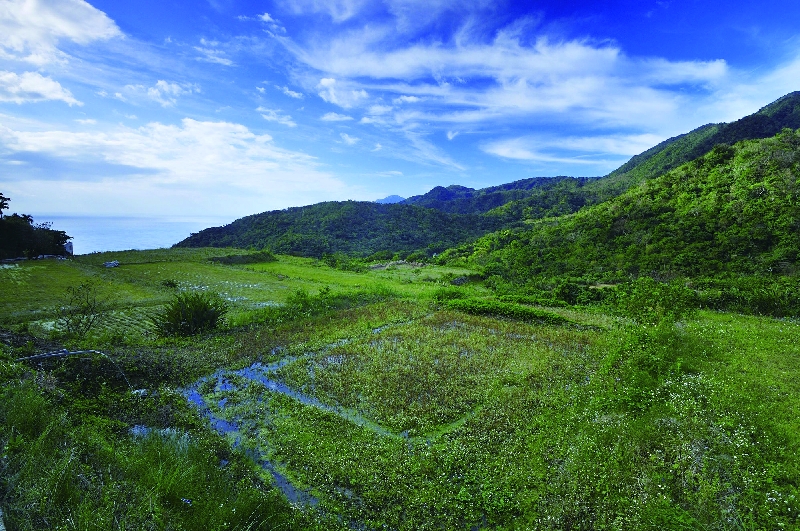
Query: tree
x=3 y=204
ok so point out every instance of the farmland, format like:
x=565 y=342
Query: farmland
x=340 y=399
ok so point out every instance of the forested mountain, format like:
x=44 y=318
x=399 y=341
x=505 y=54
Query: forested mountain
x=454 y=215
x=767 y=122
x=356 y=228
x=571 y=194
x=462 y=200
x=735 y=209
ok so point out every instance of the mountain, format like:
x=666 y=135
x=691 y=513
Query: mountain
x=454 y=215
x=462 y=200
x=358 y=228
x=736 y=209
x=768 y=121
x=390 y=200
x=570 y=195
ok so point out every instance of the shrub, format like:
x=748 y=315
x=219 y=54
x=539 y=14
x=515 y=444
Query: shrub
x=447 y=294
x=650 y=302
x=80 y=309
x=190 y=313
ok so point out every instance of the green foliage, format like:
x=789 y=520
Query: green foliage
x=503 y=309
x=242 y=259
x=21 y=237
x=649 y=302
x=353 y=228
x=344 y=263
x=190 y=313
x=80 y=309
x=448 y=294
x=733 y=211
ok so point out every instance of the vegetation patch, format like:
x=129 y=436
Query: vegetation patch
x=190 y=313
x=243 y=259
x=505 y=309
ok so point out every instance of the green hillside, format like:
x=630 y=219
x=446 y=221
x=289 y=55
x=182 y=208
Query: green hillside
x=356 y=228
x=457 y=199
x=571 y=194
x=452 y=216
x=736 y=209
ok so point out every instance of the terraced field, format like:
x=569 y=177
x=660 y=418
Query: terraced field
x=336 y=400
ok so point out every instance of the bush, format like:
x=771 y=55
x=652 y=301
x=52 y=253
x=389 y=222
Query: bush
x=448 y=294
x=650 y=302
x=80 y=309
x=190 y=313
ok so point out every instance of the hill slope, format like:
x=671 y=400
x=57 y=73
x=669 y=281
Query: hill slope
x=736 y=209
x=454 y=215
x=358 y=228
x=570 y=195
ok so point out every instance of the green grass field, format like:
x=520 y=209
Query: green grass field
x=364 y=401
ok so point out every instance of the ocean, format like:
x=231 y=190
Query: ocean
x=103 y=233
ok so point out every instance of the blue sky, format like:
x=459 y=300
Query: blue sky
x=223 y=108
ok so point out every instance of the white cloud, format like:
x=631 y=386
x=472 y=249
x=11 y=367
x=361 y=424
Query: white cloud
x=335 y=117
x=344 y=97
x=261 y=89
x=469 y=80
x=210 y=53
x=349 y=140
x=452 y=134
x=195 y=165
x=290 y=93
x=273 y=115
x=377 y=147
x=338 y=10
x=32 y=87
x=594 y=150
x=164 y=92
x=406 y=99
x=86 y=121
x=31 y=29
x=378 y=110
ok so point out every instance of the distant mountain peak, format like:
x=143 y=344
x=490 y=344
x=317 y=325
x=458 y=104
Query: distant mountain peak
x=389 y=200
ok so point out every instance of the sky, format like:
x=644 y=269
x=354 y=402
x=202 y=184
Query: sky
x=225 y=108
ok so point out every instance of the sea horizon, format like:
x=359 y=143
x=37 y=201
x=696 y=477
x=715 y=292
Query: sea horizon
x=93 y=234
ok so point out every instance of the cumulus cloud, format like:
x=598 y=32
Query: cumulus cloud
x=275 y=115
x=31 y=29
x=199 y=160
x=32 y=87
x=335 y=117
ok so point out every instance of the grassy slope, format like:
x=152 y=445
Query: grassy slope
x=508 y=424
x=734 y=210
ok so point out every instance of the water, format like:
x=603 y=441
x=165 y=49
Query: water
x=119 y=233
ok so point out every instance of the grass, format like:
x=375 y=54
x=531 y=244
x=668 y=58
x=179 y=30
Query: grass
x=414 y=415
